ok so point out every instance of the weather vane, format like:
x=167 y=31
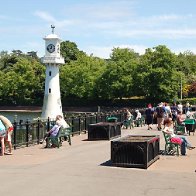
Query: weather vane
x=52 y=27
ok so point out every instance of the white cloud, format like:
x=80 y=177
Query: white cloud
x=184 y=49
x=52 y=20
x=105 y=51
x=110 y=11
x=2 y=17
x=169 y=17
x=158 y=33
x=45 y=16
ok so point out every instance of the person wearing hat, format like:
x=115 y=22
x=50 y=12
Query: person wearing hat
x=160 y=115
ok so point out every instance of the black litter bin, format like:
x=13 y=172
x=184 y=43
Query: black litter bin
x=135 y=151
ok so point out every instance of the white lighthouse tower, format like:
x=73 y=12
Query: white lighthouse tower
x=52 y=97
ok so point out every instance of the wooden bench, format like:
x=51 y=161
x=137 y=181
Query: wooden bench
x=62 y=135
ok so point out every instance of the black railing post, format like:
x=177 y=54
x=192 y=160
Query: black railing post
x=105 y=117
x=15 y=128
x=85 y=126
x=90 y=118
x=120 y=116
x=72 y=124
x=48 y=124
x=38 y=131
x=27 y=133
x=96 y=117
x=79 y=123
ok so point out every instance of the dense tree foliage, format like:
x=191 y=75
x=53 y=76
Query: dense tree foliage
x=78 y=78
x=117 y=79
x=22 y=80
x=70 y=51
x=156 y=75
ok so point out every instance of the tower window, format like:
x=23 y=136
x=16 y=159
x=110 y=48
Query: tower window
x=49 y=90
x=50 y=73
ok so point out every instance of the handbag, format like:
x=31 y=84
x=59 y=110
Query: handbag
x=176 y=140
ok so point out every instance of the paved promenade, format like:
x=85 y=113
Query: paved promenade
x=80 y=170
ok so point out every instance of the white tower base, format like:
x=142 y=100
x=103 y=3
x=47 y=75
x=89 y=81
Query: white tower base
x=51 y=107
x=52 y=99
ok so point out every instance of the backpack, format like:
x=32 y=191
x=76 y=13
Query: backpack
x=160 y=112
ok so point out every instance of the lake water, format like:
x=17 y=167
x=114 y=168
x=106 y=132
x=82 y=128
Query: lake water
x=11 y=115
x=24 y=115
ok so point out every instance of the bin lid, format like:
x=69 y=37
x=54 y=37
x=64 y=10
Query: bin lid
x=137 y=138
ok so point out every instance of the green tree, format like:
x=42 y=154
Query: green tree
x=70 y=51
x=78 y=77
x=7 y=61
x=157 y=77
x=23 y=83
x=117 y=79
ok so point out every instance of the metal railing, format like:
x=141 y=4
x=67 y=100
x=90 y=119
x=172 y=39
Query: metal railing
x=31 y=133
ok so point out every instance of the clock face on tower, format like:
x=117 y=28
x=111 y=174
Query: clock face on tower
x=51 y=48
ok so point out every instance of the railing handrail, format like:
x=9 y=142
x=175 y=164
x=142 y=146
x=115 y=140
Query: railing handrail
x=33 y=131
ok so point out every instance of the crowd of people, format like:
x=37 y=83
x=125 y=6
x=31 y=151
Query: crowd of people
x=156 y=115
x=166 y=117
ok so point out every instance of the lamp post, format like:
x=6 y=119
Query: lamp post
x=181 y=87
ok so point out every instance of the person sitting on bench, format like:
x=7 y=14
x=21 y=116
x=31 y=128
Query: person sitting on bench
x=182 y=140
x=53 y=132
x=62 y=121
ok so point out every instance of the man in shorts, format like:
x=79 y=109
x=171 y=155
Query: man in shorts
x=9 y=129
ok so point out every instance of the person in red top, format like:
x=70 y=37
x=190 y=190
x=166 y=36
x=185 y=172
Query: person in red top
x=9 y=129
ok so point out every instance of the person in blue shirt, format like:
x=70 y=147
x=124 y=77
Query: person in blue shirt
x=53 y=132
x=174 y=111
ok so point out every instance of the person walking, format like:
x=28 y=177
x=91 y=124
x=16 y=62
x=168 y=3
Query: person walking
x=149 y=116
x=160 y=116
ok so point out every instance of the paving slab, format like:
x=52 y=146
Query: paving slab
x=82 y=169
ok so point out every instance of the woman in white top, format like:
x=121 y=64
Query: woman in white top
x=170 y=130
x=138 y=114
x=62 y=121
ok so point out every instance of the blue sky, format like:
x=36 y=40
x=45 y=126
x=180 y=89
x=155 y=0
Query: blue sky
x=97 y=26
